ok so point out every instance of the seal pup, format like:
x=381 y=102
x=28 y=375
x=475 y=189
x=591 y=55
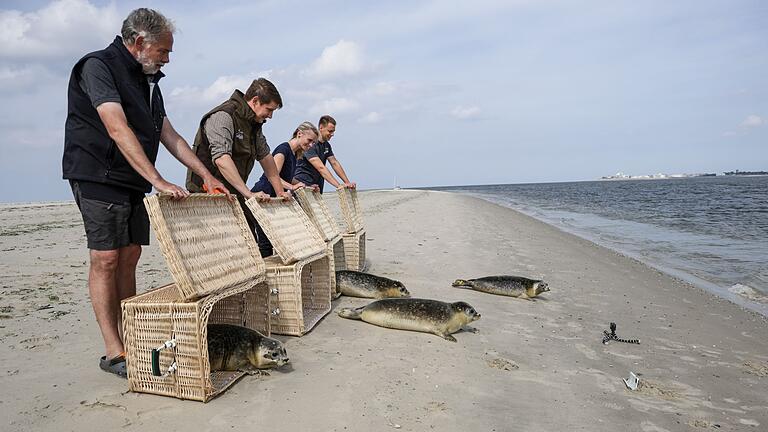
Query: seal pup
x=422 y=315
x=235 y=348
x=511 y=286
x=359 y=284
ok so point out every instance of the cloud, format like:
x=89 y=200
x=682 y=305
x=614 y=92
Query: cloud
x=753 y=121
x=61 y=29
x=333 y=106
x=18 y=79
x=218 y=91
x=370 y=118
x=343 y=59
x=465 y=113
x=383 y=89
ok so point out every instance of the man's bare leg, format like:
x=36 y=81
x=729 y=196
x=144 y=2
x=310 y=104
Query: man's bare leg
x=102 y=286
x=126 y=278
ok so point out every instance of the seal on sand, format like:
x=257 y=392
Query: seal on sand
x=359 y=284
x=512 y=286
x=422 y=315
x=235 y=348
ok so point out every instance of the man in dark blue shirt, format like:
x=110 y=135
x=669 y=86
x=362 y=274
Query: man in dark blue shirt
x=311 y=168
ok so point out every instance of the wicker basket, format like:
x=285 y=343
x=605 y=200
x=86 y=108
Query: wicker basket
x=300 y=272
x=354 y=250
x=219 y=278
x=303 y=293
x=161 y=315
x=313 y=204
x=350 y=209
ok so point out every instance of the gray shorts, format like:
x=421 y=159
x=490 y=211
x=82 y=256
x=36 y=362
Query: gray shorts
x=110 y=226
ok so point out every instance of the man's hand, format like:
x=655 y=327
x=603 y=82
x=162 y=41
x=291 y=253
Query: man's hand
x=262 y=197
x=167 y=187
x=351 y=185
x=213 y=185
x=315 y=188
x=285 y=194
x=297 y=186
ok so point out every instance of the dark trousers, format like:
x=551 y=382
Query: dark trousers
x=265 y=246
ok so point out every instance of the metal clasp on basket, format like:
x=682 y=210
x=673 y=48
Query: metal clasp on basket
x=156 y=359
x=276 y=312
x=274 y=290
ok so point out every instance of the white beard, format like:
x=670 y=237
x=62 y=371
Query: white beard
x=148 y=66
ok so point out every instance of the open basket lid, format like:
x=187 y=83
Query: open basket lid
x=288 y=228
x=350 y=209
x=206 y=242
x=313 y=204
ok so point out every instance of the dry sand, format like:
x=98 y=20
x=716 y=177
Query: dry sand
x=532 y=366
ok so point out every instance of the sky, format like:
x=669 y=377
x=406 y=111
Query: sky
x=425 y=93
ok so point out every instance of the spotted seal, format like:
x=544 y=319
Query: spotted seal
x=422 y=315
x=232 y=348
x=512 y=286
x=358 y=284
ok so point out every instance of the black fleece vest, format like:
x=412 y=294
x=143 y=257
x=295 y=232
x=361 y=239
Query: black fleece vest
x=89 y=153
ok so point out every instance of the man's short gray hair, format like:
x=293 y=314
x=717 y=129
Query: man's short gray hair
x=147 y=23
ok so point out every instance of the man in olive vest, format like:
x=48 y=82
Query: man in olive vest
x=115 y=122
x=229 y=141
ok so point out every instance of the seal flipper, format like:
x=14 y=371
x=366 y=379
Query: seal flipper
x=351 y=313
x=447 y=337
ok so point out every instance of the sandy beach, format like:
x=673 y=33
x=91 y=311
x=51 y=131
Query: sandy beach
x=531 y=366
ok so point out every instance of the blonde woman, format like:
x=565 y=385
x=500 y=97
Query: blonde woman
x=285 y=155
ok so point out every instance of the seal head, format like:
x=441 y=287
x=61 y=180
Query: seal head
x=235 y=348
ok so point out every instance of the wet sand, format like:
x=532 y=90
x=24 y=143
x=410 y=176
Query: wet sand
x=532 y=365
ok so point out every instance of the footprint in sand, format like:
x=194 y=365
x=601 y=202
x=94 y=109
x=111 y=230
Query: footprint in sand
x=502 y=364
x=658 y=390
x=754 y=368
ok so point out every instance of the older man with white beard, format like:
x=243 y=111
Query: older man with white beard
x=115 y=122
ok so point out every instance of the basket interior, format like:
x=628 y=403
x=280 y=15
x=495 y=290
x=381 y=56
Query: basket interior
x=206 y=243
x=350 y=209
x=288 y=228
x=339 y=259
x=312 y=202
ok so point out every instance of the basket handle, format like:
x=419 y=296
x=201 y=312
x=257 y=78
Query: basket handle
x=156 y=359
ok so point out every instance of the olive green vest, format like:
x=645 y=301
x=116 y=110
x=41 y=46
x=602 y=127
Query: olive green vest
x=243 y=143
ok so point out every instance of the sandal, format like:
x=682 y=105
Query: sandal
x=115 y=365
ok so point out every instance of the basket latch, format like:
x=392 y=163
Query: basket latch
x=156 y=359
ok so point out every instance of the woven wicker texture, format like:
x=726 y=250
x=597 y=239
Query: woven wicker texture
x=354 y=250
x=206 y=243
x=313 y=204
x=152 y=318
x=350 y=209
x=304 y=293
x=336 y=260
x=288 y=228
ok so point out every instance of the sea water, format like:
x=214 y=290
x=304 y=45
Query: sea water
x=709 y=231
